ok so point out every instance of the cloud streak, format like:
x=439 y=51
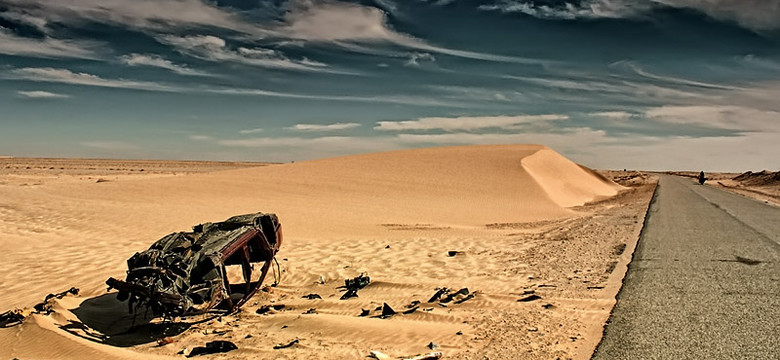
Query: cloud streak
x=759 y=15
x=138 y=14
x=46 y=47
x=216 y=49
x=325 y=127
x=157 y=61
x=466 y=123
x=346 y=24
x=65 y=76
x=38 y=94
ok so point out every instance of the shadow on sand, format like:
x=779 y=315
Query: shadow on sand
x=107 y=320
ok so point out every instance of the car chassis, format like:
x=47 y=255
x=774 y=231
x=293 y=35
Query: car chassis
x=213 y=268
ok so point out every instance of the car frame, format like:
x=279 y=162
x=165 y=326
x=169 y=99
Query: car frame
x=187 y=273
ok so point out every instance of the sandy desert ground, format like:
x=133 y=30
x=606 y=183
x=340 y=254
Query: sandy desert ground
x=523 y=219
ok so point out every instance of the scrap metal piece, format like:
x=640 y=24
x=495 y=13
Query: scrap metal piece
x=213 y=347
x=186 y=273
x=353 y=285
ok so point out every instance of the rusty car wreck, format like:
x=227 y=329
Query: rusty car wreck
x=216 y=267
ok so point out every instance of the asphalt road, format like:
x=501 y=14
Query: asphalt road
x=704 y=282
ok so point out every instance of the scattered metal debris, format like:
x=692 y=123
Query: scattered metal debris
x=164 y=341
x=284 y=346
x=213 y=347
x=450 y=297
x=11 y=318
x=16 y=317
x=444 y=296
x=465 y=298
x=353 y=285
x=45 y=306
x=529 y=298
x=439 y=293
x=430 y=356
x=186 y=272
x=387 y=312
x=378 y=355
x=266 y=308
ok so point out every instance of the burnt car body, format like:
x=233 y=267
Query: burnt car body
x=215 y=267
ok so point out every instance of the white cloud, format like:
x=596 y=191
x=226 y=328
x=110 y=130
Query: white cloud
x=212 y=48
x=142 y=14
x=326 y=127
x=201 y=137
x=41 y=95
x=416 y=57
x=46 y=47
x=719 y=116
x=157 y=61
x=251 y=131
x=673 y=80
x=584 y=9
x=345 y=24
x=614 y=115
x=336 y=21
x=466 y=123
x=68 y=77
x=390 y=99
x=753 y=14
x=618 y=87
x=109 y=145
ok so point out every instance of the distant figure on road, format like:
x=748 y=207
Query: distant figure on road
x=702 y=179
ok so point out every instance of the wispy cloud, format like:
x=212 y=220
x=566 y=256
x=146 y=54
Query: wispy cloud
x=416 y=57
x=466 y=123
x=46 y=47
x=200 y=137
x=719 y=116
x=38 y=94
x=388 y=99
x=753 y=14
x=68 y=77
x=663 y=89
x=139 y=14
x=250 y=131
x=157 y=61
x=213 y=48
x=346 y=24
x=572 y=10
x=614 y=115
x=109 y=145
x=671 y=79
x=325 y=127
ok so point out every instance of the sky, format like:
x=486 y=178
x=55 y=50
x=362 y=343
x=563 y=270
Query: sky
x=638 y=84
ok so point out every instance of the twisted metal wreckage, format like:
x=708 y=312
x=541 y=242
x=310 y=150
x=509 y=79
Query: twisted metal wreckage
x=213 y=268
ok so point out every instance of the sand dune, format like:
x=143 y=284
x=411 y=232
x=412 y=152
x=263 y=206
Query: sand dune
x=393 y=215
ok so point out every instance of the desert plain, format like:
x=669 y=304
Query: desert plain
x=505 y=222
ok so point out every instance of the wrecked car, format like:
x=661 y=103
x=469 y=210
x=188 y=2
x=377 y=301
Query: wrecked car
x=216 y=267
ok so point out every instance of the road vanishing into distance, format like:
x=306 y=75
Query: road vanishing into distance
x=704 y=282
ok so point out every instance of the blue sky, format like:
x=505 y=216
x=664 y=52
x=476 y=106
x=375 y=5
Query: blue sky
x=663 y=84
